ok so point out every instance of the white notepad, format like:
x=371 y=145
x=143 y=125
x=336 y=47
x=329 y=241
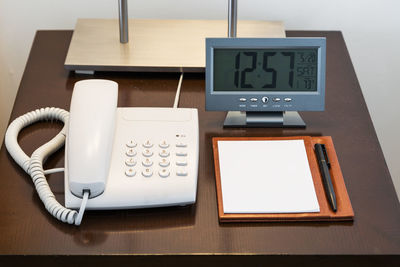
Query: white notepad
x=266 y=177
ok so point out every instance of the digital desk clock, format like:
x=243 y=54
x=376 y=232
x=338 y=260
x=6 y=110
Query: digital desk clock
x=262 y=82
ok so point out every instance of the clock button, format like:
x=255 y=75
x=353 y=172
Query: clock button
x=242 y=99
x=264 y=99
x=276 y=99
x=253 y=99
x=288 y=99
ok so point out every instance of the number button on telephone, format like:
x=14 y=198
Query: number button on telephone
x=147 y=162
x=130 y=172
x=147 y=144
x=164 y=153
x=147 y=153
x=131 y=152
x=147 y=172
x=164 y=144
x=131 y=143
x=164 y=163
x=130 y=162
x=164 y=173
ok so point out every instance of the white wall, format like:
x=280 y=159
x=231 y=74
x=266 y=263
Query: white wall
x=371 y=29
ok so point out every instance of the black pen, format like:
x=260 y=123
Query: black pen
x=324 y=165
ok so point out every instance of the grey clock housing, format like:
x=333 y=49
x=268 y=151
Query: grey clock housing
x=263 y=101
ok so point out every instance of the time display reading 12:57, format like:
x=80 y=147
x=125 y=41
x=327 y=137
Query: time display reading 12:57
x=265 y=69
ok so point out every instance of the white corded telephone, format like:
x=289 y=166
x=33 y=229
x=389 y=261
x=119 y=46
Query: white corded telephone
x=116 y=158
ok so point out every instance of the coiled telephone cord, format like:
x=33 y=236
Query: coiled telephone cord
x=34 y=165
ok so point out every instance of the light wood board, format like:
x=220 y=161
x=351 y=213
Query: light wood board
x=154 y=45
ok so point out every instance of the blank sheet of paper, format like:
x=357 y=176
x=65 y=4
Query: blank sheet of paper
x=266 y=177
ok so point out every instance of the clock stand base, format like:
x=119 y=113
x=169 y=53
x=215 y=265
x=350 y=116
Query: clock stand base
x=279 y=119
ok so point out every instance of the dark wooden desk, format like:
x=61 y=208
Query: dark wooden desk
x=184 y=236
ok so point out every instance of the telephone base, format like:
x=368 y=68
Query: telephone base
x=154 y=161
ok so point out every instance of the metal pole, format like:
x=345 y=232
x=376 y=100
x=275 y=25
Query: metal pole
x=123 y=21
x=232 y=18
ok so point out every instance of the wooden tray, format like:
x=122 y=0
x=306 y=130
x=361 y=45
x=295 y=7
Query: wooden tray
x=344 y=211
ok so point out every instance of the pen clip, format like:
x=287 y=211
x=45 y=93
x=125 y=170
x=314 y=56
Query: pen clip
x=326 y=155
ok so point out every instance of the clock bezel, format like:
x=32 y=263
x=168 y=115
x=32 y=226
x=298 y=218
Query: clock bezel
x=300 y=100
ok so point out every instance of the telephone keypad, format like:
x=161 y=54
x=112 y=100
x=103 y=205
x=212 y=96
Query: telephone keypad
x=162 y=155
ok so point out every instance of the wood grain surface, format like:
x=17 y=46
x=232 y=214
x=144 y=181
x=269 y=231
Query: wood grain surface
x=192 y=235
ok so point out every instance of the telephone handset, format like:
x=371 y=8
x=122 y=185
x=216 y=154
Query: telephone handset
x=90 y=136
x=116 y=158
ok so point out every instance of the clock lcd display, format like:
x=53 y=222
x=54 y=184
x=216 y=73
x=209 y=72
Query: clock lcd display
x=265 y=69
